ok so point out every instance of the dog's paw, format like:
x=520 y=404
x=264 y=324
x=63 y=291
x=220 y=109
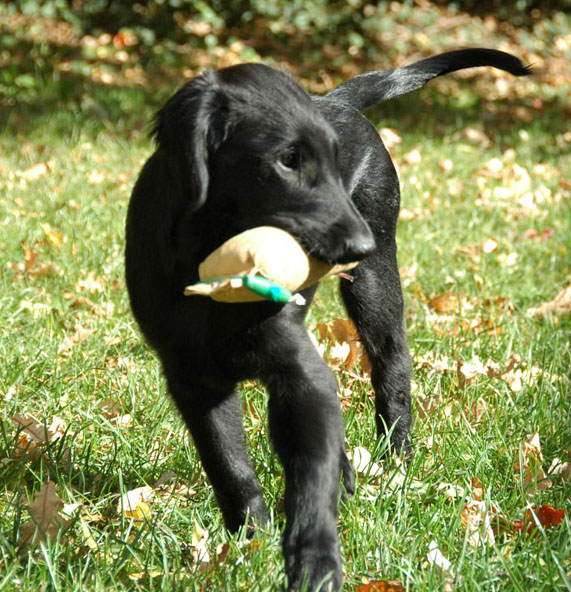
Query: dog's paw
x=314 y=570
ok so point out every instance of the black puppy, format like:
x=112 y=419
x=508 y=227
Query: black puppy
x=245 y=147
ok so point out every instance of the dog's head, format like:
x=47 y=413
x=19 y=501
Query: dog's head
x=257 y=151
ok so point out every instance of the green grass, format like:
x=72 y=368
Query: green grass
x=122 y=432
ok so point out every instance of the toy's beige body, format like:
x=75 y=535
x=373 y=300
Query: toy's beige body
x=265 y=251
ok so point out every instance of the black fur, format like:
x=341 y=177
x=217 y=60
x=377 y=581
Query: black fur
x=245 y=147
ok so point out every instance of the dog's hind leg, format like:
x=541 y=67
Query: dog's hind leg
x=375 y=304
x=214 y=418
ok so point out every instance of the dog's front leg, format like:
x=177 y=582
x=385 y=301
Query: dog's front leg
x=213 y=415
x=306 y=426
x=375 y=303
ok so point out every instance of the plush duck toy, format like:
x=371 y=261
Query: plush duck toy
x=263 y=263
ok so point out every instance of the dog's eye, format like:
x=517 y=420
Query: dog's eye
x=290 y=159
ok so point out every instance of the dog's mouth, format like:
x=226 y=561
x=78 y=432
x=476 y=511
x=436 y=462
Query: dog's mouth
x=335 y=247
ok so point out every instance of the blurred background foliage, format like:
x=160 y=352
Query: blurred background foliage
x=110 y=57
x=328 y=20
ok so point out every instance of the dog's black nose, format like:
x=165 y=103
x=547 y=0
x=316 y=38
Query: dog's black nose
x=358 y=248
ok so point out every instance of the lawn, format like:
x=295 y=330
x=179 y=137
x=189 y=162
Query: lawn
x=92 y=450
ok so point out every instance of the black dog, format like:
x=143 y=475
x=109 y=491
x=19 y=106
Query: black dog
x=246 y=147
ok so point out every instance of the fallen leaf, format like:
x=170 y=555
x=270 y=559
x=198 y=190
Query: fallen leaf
x=477 y=489
x=53 y=236
x=531 y=448
x=508 y=259
x=89 y=539
x=79 y=335
x=91 y=284
x=411 y=214
x=469 y=370
x=362 y=462
x=32 y=434
x=35 y=434
x=558 y=467
x=140 y=575
x=476 y=517
x=390 y=137
x=32 y=267
x=445 y=303
x=534 y=478
x=446 y=165
x=489 y=245
x=477 y=136
x=561 y=304
x=452 y=491
x=95 y=177
x=381 y=586
x=135 y=503
x=199 y=543
x=413 y=157
x=347 y=349
x=408 y=274
x=435 y=557
x=534 y=235
x=544 y=515
x=36 y=171
x=46 y=521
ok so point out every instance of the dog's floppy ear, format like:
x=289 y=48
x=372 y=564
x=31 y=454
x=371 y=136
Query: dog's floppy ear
x=191 y=124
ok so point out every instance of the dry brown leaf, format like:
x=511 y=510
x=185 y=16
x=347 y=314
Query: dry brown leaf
x=446 y=165
x=135 y=503
x=79 y=335
x=199 y=543
x=408 y=274
x=141 y=575
x=500 y=303
x=35 y=434
x=46 y=521
x=32 y=268
x=346 y=348
x=544 y=515
x=390 y=137
x=558 y=467
x=36 y=171
x=32 y=435
x=535 y=236
x=477 y=489
x=477 y=136
x=95 y=177
x=561 y=304
x=534 y=478
x=469 y=370
x=489 y=245
x=531 y=449
x=436 y=557
x=412 y=214
x=362 y=462
x=54 y=237
x=344 y=330
x=91 y=284
x=445 y=303
x=477 y=518
x=473 y=252
x=412 y=157
x=381 y=586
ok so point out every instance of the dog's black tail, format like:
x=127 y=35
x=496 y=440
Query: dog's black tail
x=374 y=87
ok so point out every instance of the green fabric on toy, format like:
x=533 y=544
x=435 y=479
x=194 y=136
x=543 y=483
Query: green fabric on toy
x=263 y=263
